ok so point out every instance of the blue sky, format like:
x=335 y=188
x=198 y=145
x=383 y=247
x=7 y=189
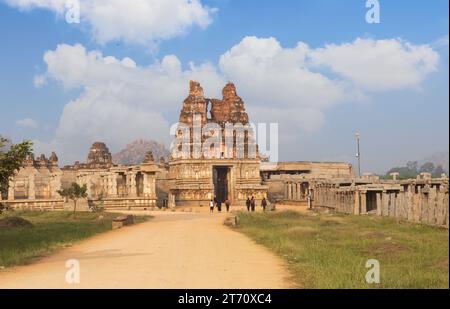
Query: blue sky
x=407 y=121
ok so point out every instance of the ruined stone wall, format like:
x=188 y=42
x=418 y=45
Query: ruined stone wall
x=36 y=184
x=415 y=201
x=288 y=182
x=287 y=188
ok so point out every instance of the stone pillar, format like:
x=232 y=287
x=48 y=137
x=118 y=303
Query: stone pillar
x=432 y=212
x=393 y=205
x=145 y=185
x=153 y=186
x=31 y=187
x=394 y=176
x=149 y=185
x=11 y=188
x=379 y=204
x=364 y=202
x=55 y=185
x=357 y=203
x=310 y=198
x=87 y=181
x=172 y=201
x=105 y=185
x=385 y=200
x=112 y=180
x=131 y=179
x=410 y=202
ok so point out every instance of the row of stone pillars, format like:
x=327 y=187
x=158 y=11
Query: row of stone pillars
x=53 y=186
x=131 y=186
x=296 y=191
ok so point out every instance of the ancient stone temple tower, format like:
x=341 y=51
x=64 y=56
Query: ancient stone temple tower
x=99 y=156
x=214 y=154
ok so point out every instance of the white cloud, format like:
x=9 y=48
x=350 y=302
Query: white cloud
x=151 y=20
x=379 y=65
x=27 y=123
x=57 y=6
x=269 y=74
x=122 y=101
x=441 y=43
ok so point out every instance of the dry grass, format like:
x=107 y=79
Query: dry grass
x=330 y=251
x=49 y=231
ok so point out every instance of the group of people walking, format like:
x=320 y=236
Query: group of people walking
x=250 y=203
x=218 y=204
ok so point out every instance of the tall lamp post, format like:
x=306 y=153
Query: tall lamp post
x=358 y=155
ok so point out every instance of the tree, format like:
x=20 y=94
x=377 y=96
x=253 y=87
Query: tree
x=404 y=172
x=438 y=171
x=412 y=166
x=427 y=167
x=11 y=160
x=74 y=193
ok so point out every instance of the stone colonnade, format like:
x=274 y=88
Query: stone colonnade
x=116 y=187
x=296 y=190
x=49 y=185
x=119 y=184
x=415 y=202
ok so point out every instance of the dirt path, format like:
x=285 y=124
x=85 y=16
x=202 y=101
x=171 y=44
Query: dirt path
x=173 y=250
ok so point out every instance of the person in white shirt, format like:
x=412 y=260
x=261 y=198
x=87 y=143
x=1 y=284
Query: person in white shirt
x=211 y=206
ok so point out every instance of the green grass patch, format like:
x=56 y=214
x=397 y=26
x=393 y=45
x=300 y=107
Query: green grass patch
x=50 y=231
x=331 y=250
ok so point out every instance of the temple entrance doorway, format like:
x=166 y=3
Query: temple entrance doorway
x=220 y=180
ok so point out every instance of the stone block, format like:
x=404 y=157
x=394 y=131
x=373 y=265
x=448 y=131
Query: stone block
x=122 y=221
x=231 y=221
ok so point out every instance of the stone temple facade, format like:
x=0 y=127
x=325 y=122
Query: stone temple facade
x=38 y=182
x=229 y=168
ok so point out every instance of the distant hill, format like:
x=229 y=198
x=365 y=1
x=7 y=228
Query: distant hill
x=135 y=152
x=438 y=158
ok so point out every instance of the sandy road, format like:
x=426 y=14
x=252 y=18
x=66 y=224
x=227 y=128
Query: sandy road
x=173 y=250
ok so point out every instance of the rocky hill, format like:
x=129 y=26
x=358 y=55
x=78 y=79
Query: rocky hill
x=135 y=152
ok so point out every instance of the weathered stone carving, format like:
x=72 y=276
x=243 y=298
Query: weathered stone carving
x=39 y=181
x=196 y=179
x=149 y=158
x=99 y=156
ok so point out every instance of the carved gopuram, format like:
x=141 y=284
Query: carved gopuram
x=36 y=185
x=209 y=158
